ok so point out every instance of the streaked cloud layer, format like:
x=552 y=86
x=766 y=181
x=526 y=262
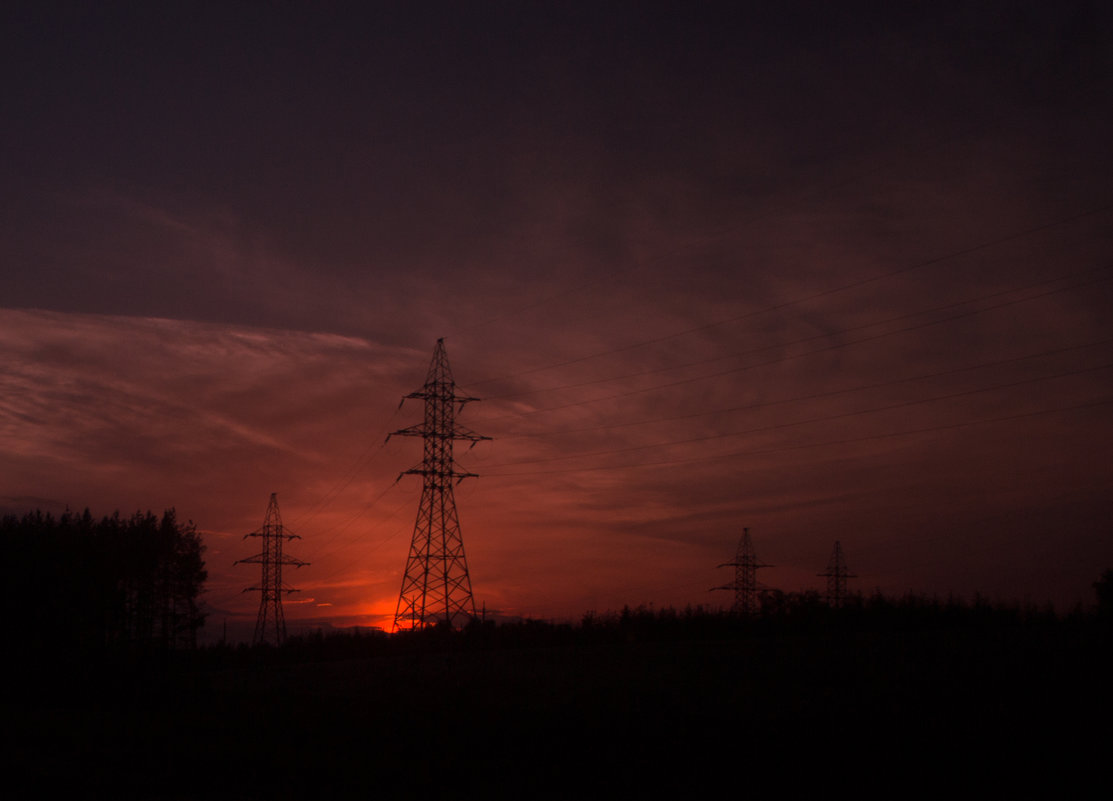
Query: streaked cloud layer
x=828 y=274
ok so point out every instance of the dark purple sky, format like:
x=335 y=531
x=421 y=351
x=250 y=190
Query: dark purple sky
x=829 y=271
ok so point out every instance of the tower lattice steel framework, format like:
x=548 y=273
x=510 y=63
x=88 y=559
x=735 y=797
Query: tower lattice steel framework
x=837 y=573
x=745 y=584
x=271 y=587
x=436 y=586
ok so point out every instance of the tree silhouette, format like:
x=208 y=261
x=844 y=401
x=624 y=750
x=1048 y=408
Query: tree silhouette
x=88 y=584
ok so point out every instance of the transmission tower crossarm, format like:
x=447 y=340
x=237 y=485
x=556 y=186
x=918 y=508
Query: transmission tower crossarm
x=468 y=434
x=410 y=431
x=836 y=574
x=421 y=430
x=746 y=586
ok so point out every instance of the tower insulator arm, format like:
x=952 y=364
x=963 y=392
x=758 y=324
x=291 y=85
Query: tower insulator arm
x=412 y=431
x=462 y=432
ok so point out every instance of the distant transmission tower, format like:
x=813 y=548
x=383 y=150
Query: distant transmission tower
x=837 y=574
x=745 y=586
x=436 y=587
x=271 y=586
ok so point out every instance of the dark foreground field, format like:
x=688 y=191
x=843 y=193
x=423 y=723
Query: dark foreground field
x=567 y=713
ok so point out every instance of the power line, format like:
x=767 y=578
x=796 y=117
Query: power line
x=813 y=396
x=361 y=461
x=827 y=418
x=365 y=458
x=846 y=441
x=1014 y=236
x=337 y=529
x=792 y=357
x=1106 y=275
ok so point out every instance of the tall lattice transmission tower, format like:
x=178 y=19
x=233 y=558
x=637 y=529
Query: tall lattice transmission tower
x=271 y=586
x=436 y=587
x=745 y=584
x=837 y=573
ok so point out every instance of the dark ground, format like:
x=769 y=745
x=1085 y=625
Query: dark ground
x=566 y=715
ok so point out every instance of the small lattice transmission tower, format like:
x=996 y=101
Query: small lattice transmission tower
x=745 y=584
x=436 y=587
x=271 y=587
x=837 y=573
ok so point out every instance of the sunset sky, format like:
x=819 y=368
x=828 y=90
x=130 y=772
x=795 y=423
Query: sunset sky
x=829 y=271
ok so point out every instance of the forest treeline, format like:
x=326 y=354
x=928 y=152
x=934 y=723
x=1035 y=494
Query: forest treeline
x=113 y=584
x=127 y=584
x=805 y=615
